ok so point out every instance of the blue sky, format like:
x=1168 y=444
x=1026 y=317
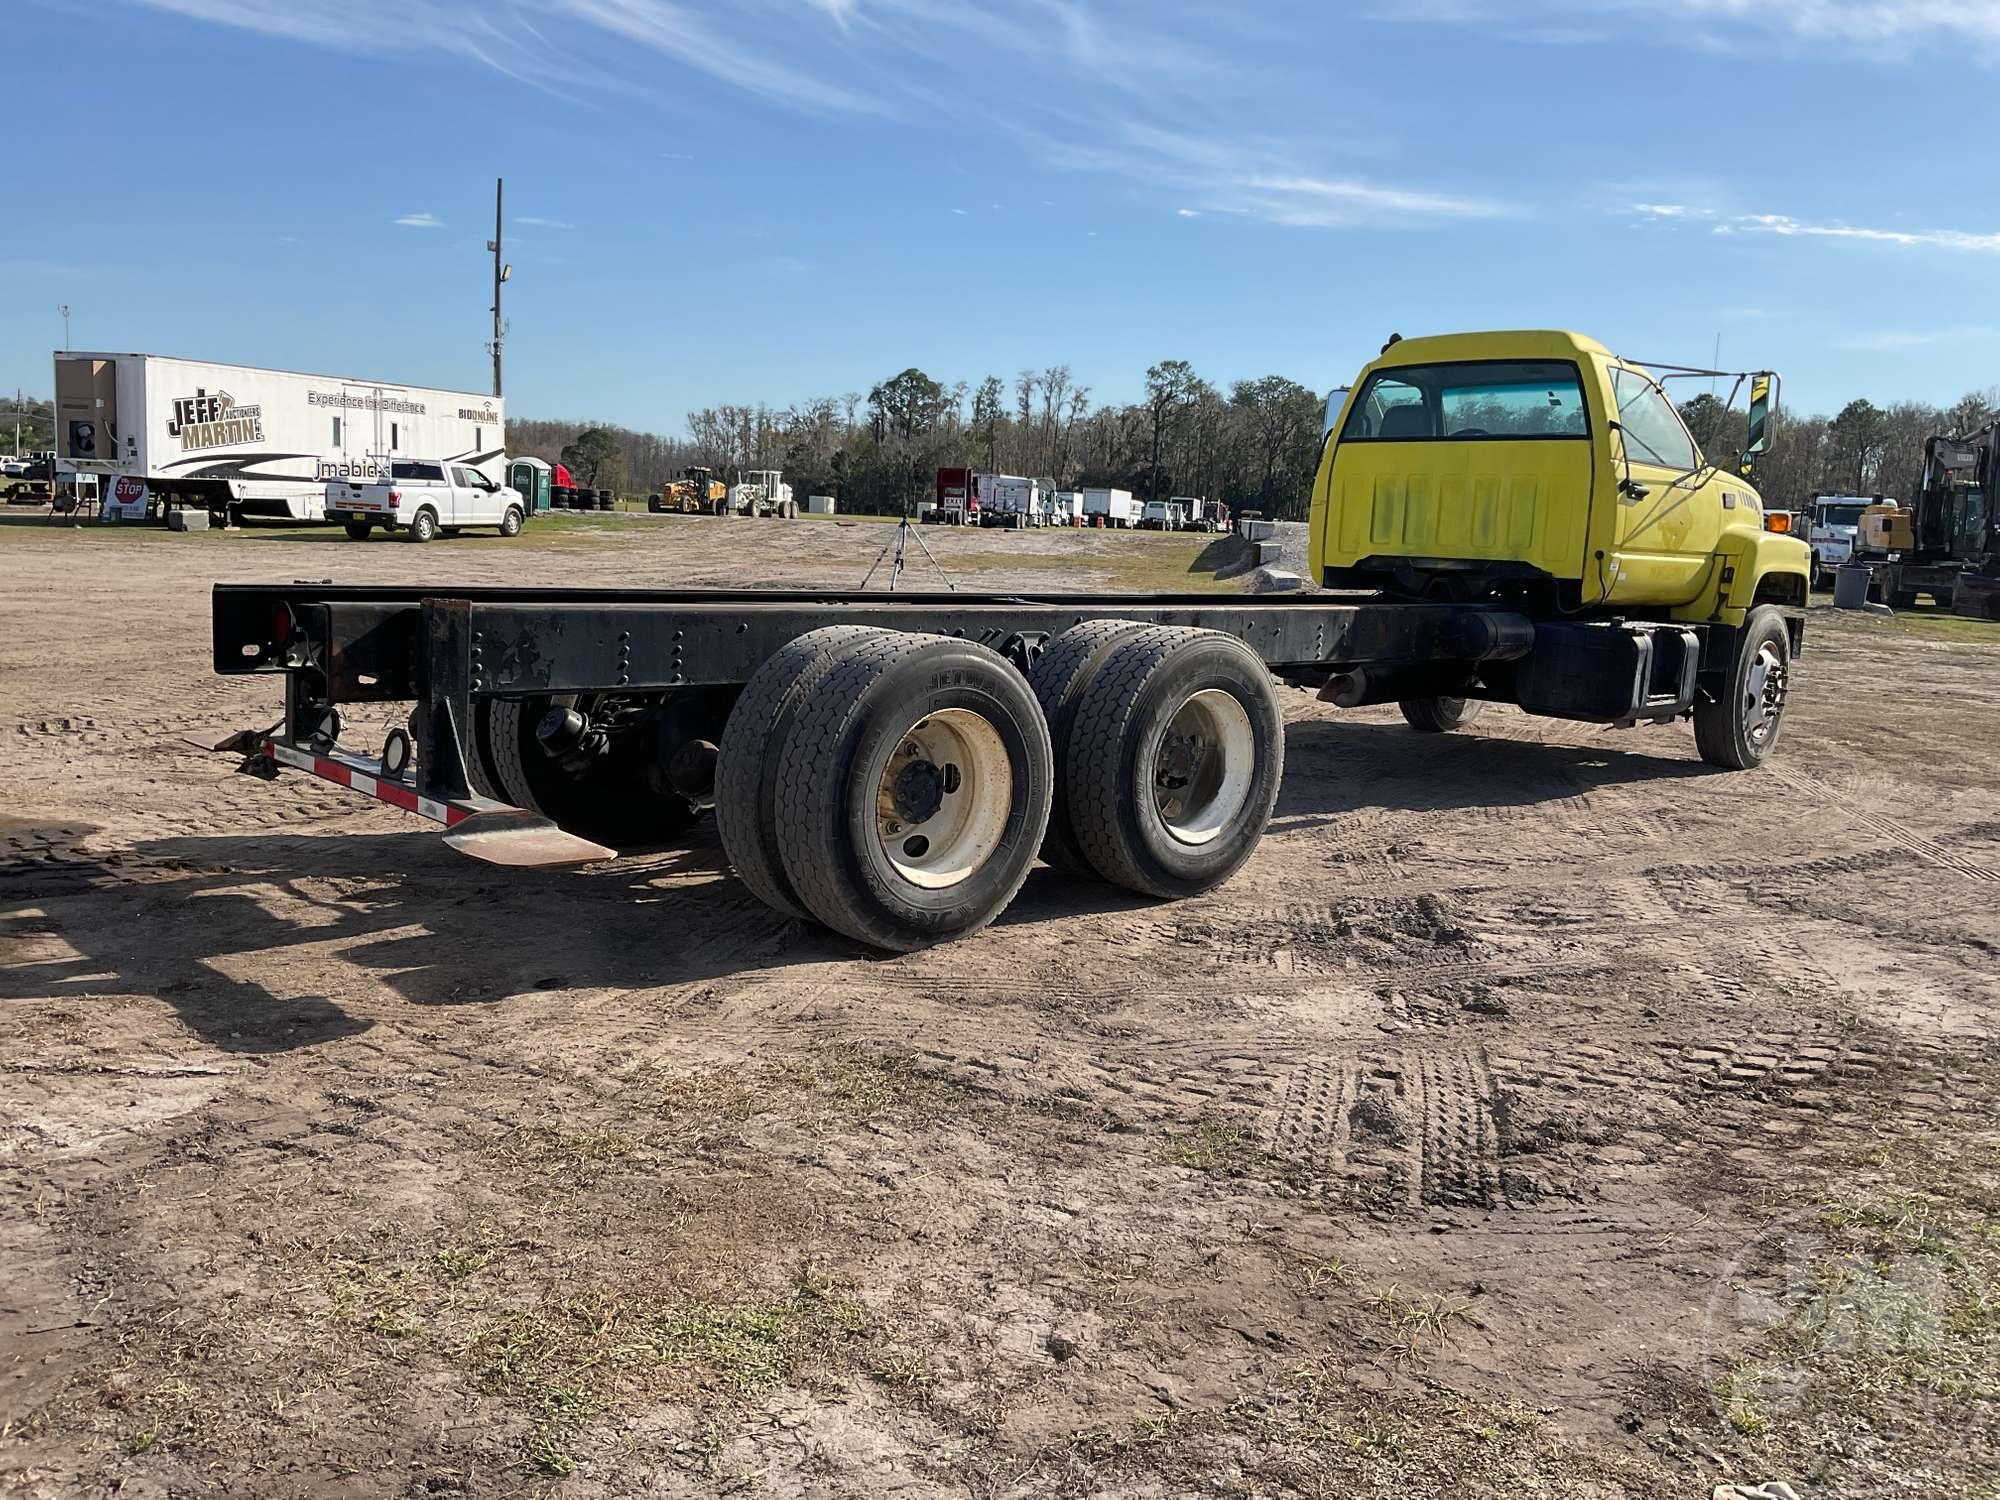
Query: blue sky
x=776 y=199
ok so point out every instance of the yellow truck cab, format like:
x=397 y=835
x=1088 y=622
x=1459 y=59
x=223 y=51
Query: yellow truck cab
x=1539 y=470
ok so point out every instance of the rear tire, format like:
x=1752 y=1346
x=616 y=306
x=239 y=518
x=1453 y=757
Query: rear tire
x=913 y=791
x=1060 y=676
x=424 y=526
x=1175 y=756
x=1739 y=727
x=359 y=531
x=1440 y=715
x=747 y=760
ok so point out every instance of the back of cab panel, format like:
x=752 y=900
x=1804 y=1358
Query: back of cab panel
x=1490 y=458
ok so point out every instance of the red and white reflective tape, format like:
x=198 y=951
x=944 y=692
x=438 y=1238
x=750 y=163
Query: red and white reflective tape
x=365 y=777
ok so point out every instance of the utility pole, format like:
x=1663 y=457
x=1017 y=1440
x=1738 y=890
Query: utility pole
x=63 y=308
x=501 y=271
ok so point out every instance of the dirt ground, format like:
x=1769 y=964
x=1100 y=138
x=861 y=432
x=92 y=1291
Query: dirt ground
x=1538 y=1113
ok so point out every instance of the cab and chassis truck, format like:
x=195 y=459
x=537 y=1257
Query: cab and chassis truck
x=1508 y=517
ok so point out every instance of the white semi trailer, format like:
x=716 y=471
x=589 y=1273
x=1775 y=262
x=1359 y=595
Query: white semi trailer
x=164 y=431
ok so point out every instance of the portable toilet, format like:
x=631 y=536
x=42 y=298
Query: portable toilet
x=532 y=478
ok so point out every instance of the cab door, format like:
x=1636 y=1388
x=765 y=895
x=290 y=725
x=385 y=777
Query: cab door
x=1670 y=502
x=466 y=496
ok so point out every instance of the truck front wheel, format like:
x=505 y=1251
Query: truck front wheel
x=510 y=524
x=1737 y=725
x=1174 y=758
x=1438 y=715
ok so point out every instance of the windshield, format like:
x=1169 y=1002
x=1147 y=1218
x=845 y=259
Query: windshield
x=1509 y=399
x=1839 y=515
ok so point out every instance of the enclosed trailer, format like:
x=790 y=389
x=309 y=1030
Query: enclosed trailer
x=260 y=442
x=1116 y=507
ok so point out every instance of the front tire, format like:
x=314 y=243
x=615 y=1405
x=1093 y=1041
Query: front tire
x=424 y=526
x=510 y=524
x=1440 y=715
x=1737 y=728
x=913 y=791
x=1174 y=760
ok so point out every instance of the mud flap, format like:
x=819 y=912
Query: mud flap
x=523 y=840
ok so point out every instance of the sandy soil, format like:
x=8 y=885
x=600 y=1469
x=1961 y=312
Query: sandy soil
x=1538 y=1113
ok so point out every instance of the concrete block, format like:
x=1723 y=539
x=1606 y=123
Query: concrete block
x=1257 y=531
x=1275 y=581
x=182 y=519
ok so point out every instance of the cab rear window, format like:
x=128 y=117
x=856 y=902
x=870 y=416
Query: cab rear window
x=417 y=471
x=1469 y=401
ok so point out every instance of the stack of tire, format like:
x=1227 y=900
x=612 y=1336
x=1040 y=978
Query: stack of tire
x=563 y=497
x=606 y=500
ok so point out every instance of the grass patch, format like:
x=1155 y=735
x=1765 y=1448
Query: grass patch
x=1879 y=1313
x=1131 y=562
x=1214 y=1146
x=1419 y=1319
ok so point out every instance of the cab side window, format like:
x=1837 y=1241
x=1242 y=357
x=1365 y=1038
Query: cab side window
x=1652 y=429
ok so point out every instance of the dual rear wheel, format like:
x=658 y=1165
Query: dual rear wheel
x=898 y=788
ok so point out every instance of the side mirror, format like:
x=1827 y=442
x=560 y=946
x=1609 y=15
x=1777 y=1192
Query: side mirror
x=1336 y=398
x=1763 y=402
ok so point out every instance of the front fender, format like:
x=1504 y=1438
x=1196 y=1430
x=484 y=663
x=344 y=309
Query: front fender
x=1751 y=567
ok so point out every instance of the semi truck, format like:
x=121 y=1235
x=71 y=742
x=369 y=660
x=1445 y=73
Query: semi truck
x=1516 y=518
x=1009 y=500
x=956 y=500
x=256 y=442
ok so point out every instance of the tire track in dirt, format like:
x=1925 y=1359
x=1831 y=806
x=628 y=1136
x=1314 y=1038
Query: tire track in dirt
x=1889 y=828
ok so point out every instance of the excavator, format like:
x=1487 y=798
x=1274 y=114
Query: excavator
x=1947 y=544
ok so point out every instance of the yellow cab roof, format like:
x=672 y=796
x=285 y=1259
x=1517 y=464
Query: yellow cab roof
x=1530 y=343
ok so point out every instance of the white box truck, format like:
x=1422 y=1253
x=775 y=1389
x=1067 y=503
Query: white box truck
x=1117 y=507
x=258 y=442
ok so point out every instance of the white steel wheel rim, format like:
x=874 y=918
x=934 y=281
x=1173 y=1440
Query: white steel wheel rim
x=1763 y=695
x=1202 y=767
x=942 y=800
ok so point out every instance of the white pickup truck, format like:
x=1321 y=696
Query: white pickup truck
x=424 y=497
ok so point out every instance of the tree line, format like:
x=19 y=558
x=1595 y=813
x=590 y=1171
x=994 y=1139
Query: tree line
x=1254 y=445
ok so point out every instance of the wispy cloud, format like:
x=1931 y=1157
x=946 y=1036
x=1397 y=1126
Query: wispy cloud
x=1787 y=227
x=1187 y=213
x=541 y=223
x=1782 y=224
x=1165 y=100
x=421 y=221
x=1881 y=28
